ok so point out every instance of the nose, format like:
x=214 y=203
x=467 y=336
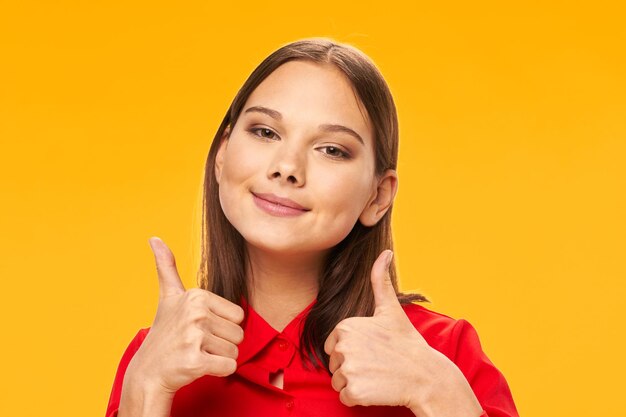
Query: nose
x=288 y=166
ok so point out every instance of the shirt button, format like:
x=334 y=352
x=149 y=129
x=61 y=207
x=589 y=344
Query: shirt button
x=289 y=404
x=283 y=345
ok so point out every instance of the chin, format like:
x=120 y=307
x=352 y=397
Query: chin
x=283 y=238
x=275 y=244
x=281 y=250
x=281 y=244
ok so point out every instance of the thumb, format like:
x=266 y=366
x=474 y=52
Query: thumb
x=169 y=280
x=384 y=293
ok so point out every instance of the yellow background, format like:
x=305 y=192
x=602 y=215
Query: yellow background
x=510 y=211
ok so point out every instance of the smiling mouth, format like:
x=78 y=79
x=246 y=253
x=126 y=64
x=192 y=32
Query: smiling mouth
x=278 y=206
x=281 y=201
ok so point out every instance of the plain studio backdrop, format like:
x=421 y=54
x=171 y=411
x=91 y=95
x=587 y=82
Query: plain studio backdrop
x=510 y=211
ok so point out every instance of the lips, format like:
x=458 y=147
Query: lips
x=281 y=201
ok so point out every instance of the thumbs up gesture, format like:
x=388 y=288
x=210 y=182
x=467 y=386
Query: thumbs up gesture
x=194 y=333
x=384 y=360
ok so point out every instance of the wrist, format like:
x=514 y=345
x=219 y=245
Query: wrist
x=143 y=398
x=444 y=391
x=139 y=380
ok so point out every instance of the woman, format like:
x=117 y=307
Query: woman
x=297 y=311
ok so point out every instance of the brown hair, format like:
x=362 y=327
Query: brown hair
x=344 y=286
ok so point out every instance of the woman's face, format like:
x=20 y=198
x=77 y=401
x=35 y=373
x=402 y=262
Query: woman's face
x=301 y=136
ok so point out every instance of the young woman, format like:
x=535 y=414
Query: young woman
x=297 y=310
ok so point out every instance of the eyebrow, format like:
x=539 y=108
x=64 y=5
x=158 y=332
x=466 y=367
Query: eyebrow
x=324 y=127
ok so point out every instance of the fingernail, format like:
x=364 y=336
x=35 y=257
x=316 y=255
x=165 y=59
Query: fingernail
x=389 y=258
x=151 y=243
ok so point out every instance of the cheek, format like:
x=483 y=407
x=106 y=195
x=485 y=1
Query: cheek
x=240 y=161
x=239 y=167
x=344 y=194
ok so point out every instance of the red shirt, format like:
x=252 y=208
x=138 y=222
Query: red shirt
x=308 y=392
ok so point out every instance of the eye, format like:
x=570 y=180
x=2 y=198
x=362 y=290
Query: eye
x=263 y=132
x=335 y=152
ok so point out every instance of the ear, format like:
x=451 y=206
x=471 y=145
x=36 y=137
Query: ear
x=381 y=200
x=219 y=157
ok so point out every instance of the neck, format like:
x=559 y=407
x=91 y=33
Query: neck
x=280 y=286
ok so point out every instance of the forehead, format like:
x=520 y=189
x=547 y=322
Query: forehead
x=309 y=93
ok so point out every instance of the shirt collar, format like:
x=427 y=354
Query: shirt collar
x=258 y=333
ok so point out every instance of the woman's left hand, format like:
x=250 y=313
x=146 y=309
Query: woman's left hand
x=384 y=360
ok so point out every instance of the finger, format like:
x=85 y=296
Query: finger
x=217 y=305
x=346 y=398
x=338 y=381
x=384 y=293
x=226 y=309
x=335 y=361
x=169 y=280
x=222 y=328
x=218 y=346
x=218 y=365
x=331 y=341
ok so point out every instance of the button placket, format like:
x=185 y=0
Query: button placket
x=289 y=405
x=282 y=352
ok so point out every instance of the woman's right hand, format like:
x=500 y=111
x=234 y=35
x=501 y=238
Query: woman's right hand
x=194 y=333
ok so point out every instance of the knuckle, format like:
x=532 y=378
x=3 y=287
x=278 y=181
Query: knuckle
x=196 y=315
x=240 y=335
x=191 y=295
x=209 y=321
x=233 y=351
x=334 y=363
x=239 y=314
x=231 y=366
x=196 y=367
x=347 y=369
x=192 y=363
x=225 y=367
x=341 y=346
x=196 y=295
x=212 y=344
x=345 y=396
x=343 y=326
x=355 y=394
x=187 y=342
x=346 y=325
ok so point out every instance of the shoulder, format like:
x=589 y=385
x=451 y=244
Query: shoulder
x=459 y=341
x=430 y=323
x=442 y=332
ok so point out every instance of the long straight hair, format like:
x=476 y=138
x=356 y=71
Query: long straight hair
x=344 y=283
